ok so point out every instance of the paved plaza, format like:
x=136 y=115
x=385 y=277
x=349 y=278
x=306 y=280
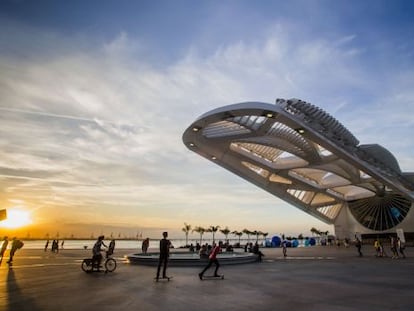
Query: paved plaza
x=317 y=278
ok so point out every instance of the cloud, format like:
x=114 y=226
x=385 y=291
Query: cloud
x=99 y=126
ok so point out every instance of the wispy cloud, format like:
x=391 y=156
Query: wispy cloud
x=53 y=115
x=97 y=129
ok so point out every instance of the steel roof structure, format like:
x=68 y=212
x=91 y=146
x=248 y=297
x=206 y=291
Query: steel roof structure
x=301 y=154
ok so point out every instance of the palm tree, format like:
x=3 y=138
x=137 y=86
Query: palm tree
x=314 y=231
x=265 y=234
x=186 y=229
x=257 y=233
x=201 y=231
x=226 y=232
x=248 y=232
x=238 y=233
x=213 y=229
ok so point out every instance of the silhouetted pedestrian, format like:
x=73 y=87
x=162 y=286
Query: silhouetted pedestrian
x=145 y=245
x=346 y=242
x=3 y=247
x=358 y=245
x=378 y=248
x=165 y=245
x=284 y=248
x=55 y=246
x=257 y=251
x=16 y=244
x=401 y=247
x=394 y=247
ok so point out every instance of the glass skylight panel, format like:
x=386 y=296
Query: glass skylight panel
x=321 y=198
x=337 y=194
x=279 y=179
x=303 y=178
x=330 y=211
x=351 y=192
x=277 y=127
x=251 y=122
x=332 y=180
x=255 y=122
x=364 y=175
x=223 y=129
x=322 y=151
x=265 y=152
x=257 y=169
x=288 y=160
x=302 y=195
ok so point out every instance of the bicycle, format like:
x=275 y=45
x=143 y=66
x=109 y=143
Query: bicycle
x=90 y=265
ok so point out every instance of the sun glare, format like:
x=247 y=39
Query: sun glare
x=16 y=219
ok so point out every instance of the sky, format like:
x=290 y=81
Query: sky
x=95 y=97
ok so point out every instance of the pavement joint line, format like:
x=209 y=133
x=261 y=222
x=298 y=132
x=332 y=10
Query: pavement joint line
x=39 y=265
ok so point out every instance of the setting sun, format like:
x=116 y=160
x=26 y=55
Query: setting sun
x=16 y=219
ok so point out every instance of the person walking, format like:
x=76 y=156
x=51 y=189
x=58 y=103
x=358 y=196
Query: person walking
x=377 y=247
x=16 y=244
x=54 y=246
x=358 y=245
x=165 y=245
x=394 y=247
x=145 y=245
x=284 y=248
x=381 y=249
x=401 y=247
x=3 y=248
x=212 y=258
x=46 y=245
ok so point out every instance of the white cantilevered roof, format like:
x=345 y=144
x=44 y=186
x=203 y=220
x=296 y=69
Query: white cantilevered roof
x=301 y=154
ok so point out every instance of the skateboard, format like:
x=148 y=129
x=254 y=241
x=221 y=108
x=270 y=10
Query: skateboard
x=213 y=277
x=168 y=278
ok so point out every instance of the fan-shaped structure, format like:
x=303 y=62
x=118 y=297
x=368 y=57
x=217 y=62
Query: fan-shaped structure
x=301 y=154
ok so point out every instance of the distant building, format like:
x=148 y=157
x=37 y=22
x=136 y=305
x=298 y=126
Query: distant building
x=301 y=154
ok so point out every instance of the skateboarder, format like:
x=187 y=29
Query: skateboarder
x=212 y=258
x=165 y=245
